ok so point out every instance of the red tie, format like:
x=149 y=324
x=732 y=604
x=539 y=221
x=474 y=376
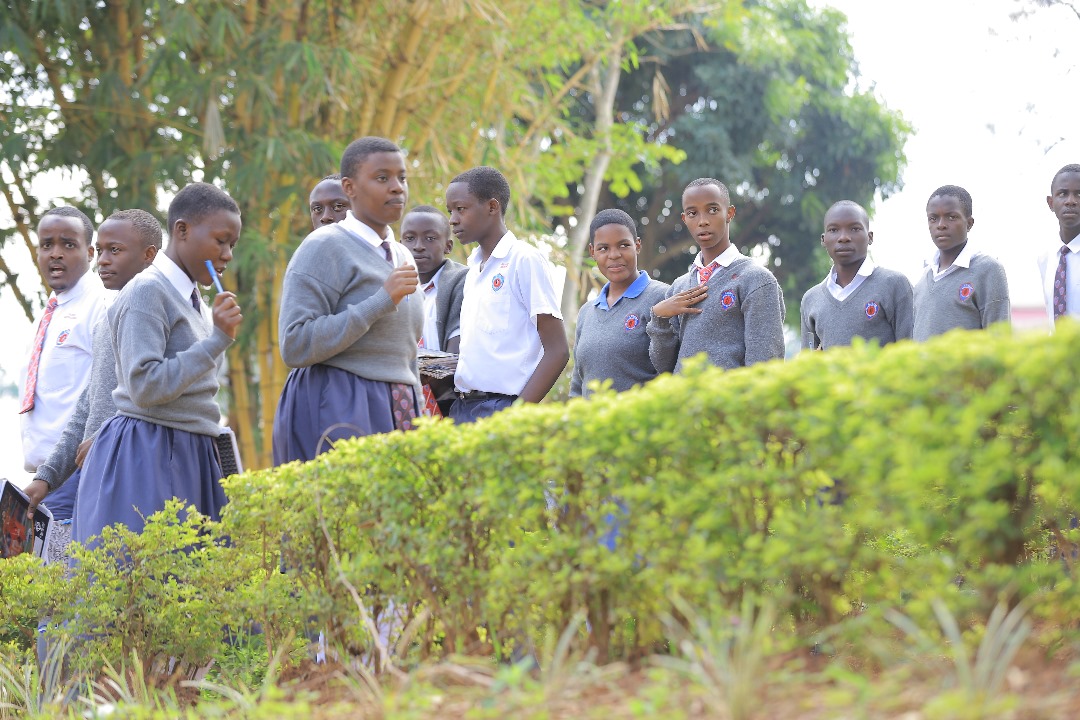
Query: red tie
x=1059 y=284
x=431 y=406
x=35 y=358
x=703 y=274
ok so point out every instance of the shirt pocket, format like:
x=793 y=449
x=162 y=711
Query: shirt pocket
x=63 y=370
x=495 y=316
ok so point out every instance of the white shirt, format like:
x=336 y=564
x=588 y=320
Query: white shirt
x=356 y=227
x=1048 y=262
x=500 y=347
x=963 y=260
x=430 y=338
x=64 y=367
x=723 y=259
x=843 y=293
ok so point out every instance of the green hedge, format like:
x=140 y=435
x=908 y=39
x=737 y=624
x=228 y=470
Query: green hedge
x=834 y=486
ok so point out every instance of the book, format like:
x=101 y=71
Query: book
x=228 y=453
x=436 y=364
x=18 y=533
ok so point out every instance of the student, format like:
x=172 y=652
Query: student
x=611 y=341
x=127 y=243
x=856 y=298
x=426 y=232
x=59 y=359
x=1060 y=267
x=169 y=348
x=512 y=340
x=740 y=320
x=349 y=325
x=327 y=202
x=960 y=287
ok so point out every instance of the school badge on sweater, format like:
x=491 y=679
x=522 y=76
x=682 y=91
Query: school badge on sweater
x=872 y=309
x=966 y=291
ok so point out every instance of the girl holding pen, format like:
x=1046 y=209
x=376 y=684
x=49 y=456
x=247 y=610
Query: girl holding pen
x=169 y=346
x=347 y=325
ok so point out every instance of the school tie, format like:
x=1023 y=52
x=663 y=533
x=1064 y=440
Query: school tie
x=35 y=358
x=431 y=405
x=1059 y=283
x=385 y=245
x=403 y=399
x=704 y=274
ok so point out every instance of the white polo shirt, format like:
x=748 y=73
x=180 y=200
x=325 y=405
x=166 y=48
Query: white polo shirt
x=64 y=368
x=500 y=347
x=1048 y=262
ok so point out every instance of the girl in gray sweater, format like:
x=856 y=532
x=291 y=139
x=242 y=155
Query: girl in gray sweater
x=349 y=322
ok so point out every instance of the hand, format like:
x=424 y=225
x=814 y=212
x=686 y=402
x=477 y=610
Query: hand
x=680 y=303
x=36 y=491
x=80 y=452
x=227 y=315
x=402 y=282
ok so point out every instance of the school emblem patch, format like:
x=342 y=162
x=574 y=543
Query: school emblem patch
x=497 y=282
x=966 y=290
x=872 y=309
x=62 y=337
x=727 y=299
x=631 y=322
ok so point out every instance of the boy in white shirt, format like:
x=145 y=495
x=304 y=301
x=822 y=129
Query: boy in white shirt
x=512 y=340
x=1060 y=268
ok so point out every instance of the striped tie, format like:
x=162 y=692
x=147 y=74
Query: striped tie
x=703 y=274
x=35 y=358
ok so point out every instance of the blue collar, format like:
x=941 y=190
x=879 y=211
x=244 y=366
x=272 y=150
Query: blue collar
x=635 y=289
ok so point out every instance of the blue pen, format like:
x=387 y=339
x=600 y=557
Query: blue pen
x=214 y=276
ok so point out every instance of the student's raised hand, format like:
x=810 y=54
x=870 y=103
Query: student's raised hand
x=681 y=303
x=402 y=282
x=227 y=315
x=80 y=452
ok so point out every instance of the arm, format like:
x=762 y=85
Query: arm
x=576 y=378
x=763 y=322
x=556 y=355
x=810 y=340
x=309 y=329
x=904 y=322
x=997 y=308
x=60 y=464
x=153 y=379
x=453 y=317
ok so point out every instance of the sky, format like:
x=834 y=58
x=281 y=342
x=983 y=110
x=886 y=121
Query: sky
x=992 y=100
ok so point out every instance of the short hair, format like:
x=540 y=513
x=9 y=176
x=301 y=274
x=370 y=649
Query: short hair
x=146 y=226
x=432 y=210
x=849 y=204
x=486 y=183
x=957 y=192
x=359 y=151
x=1070 y=168
x=73 y=212
x=332 y=176
x=709 y=181
x=612 y=216
x=196 y=201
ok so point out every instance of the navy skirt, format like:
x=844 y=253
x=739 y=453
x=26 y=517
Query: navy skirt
x=135 y=466
x=321 y=404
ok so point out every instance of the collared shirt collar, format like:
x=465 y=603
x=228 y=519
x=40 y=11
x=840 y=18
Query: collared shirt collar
x=357 y=227
x=1073 y=245
x=865 y=271
x=506 y=243
x=724 y=259
x=962 y=260
x=433 y=283
x=176 y=276
x=83 y=286
x=636 y=288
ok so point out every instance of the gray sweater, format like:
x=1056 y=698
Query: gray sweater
x=94 y=407
x=741 y=323
x=971 y=298
x=612 y=344
x=335 y=311
x=879 y=310
x=167 y=356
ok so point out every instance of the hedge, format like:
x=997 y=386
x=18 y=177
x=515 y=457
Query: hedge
x=834 y=486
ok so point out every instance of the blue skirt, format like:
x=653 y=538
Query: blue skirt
x=135 y=466
x=320 y=405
